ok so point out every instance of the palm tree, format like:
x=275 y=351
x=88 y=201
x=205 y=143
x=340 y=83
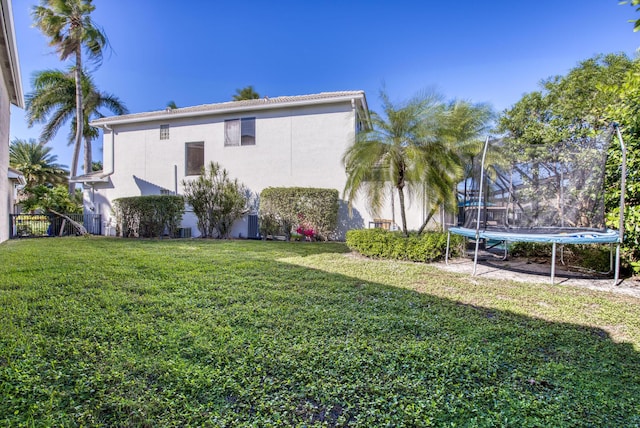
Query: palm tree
x=461 y=130
x=36 y=163
x=402 y=149
x=69 y=26
x=246 y=93
x=52 y=102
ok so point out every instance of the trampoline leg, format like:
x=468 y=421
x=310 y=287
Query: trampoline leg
x=617 y=272
x=553 y=262
x=446 y=255
x=475 y=257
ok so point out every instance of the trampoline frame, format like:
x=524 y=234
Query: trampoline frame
x=574 y=236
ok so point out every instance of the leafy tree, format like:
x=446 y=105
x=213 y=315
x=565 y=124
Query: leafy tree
x=627 y=113
x=53 y=103
x=217 y=200
x=96 y=166
x=36 y=163
x=246 y=93
x=574 y=105
x=587 y=101
x=172 y=105
x=636 y=4
x=71 y=30
x=53 y=199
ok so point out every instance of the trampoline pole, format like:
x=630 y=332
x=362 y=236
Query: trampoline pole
x=446 y=254
x=475 y=256
x=553 y=262
x=623 y=188
x=480 y=201
x=616 y=275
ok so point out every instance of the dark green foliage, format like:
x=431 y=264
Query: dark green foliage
x=148 y=216
x=383 y=244
x=293 y=207
x=598 y=92
x=47 y=198
x=217 y=200
x=168 y=333
x=590 y=257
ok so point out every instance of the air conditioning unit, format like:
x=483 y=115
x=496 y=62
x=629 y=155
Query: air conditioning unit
x=184 y=232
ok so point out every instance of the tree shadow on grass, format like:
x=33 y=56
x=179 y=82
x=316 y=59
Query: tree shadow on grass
x=254 y=341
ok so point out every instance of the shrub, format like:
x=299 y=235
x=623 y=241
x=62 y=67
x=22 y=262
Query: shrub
x=593 y=257
x=217 y=201
x=312 y=211
x=148 y=216
x=381 y=243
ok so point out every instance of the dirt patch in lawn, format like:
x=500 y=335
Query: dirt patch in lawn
x=528 y=270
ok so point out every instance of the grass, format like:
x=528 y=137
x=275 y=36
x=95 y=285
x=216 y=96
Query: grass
x=241 y=333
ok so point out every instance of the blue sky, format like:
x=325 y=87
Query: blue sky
x=200 y=51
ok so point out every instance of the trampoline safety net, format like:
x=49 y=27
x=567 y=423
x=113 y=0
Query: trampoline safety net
x=538 y=188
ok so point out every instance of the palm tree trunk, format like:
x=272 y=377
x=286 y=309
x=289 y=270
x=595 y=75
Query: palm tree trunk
x=403 y=215
x=429 y=216
x=79 y=117
x=74 y=166
x=87 y=155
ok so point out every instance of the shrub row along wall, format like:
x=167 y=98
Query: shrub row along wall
x=148 y=216
x=312 y=211
x=383 y=244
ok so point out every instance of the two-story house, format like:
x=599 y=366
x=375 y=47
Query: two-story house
x=269 y=142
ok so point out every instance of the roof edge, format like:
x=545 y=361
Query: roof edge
x=17 y=97
x=163 y=114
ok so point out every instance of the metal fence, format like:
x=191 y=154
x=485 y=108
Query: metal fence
x=43 y=225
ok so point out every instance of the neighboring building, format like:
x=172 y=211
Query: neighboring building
x=16 y=182
x=10 y=93
x=277 y=142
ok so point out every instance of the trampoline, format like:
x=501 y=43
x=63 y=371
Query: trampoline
x=545 y=193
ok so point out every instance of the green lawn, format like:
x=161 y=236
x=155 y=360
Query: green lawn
x=241 y=333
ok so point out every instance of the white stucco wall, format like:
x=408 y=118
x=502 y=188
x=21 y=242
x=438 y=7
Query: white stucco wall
x=5 y=185
x=300 y=146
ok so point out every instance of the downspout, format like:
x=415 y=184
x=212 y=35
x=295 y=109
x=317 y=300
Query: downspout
x=110 y=171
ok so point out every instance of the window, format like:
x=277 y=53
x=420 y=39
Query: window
x=164 y=132
x=194 y=153
x=240 y=132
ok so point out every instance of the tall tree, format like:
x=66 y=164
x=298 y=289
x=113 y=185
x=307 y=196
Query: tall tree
x=36 y=163
x=71 y=30
x=588 y=100
x=246 y=93
x=402 y=149
x=53 y=102
x=636 y=4
x=460 y=132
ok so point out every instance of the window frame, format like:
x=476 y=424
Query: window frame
x=164 y=131
x=187 y=148
x=243 y=123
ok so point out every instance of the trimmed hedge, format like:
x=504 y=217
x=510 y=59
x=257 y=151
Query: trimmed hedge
x=383 y=244
x=288 y=208
x=148 y=216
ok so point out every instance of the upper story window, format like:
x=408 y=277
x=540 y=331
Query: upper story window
x=194 y=158
x=164 y=132
x=240 y=132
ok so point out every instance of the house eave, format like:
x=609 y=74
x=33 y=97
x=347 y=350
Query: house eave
x=90 y=178
x=14 y=174
x=10 y=63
